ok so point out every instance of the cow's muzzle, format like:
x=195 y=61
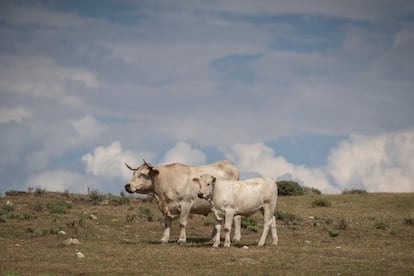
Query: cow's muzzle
x=128 y=188
x=200 y=195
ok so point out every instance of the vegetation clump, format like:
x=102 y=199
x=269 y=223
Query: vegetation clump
x=289 y=188
x=354 y=192
x=321 y=203
x=249 y=224
x=58 y=207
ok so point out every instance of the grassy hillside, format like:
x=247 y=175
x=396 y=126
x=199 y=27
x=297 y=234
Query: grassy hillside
x=354 y=234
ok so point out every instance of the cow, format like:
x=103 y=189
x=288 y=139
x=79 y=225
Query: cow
x=172 y=187
x=232 y=197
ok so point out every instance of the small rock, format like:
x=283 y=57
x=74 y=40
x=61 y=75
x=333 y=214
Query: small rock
x=9 y=203
x=93 y=217
x=80 y=255
x=311 y=217
x=245 y=247
x=62 y=232
x=71 y=241
x=307 y=241
x=338 y=247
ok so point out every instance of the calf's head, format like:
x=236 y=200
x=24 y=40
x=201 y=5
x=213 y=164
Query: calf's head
x=142 y=179
x=206 y=185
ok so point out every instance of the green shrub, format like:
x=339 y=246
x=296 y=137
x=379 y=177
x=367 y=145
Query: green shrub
x=287 y=218
x=121 y=200
x=37 y=207
x=14 y=193
x=321 y=203
x=39 y=191
x=409 y=220
x=95 y=197
x=354 y=192
x=6 y=208
x=58 y=207
x=145 y=212
x=249 y=224
x=333 y=234
x=382 y=225
x=311 y=191
x=289 y=188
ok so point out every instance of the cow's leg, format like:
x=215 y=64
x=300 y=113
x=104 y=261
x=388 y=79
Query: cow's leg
x=268 y=220
x=237 y=231
x=217 y=226
x=227 y=227
x=274 y=231
x=167 y=226
x=185 y=212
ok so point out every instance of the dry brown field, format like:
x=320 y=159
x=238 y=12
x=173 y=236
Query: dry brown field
x=358 y=234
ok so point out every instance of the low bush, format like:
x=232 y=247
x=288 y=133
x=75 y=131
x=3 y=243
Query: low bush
x=311 y=191
x=321 y=203
x=58 y=207
x=249 y=224
x=382 y=225
x=95 y=197
x=354 y=192
x=121 y=200
x=289 y=188
x=409 y=220
x=145 y=212
x=287 y=217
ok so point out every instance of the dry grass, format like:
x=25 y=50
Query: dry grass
x=122 y=240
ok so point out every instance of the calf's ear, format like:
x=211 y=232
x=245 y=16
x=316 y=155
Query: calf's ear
x=214 y=179
x=196 y=180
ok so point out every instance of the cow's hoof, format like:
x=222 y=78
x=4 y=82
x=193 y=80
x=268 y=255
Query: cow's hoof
x=227 y=245
x=181 y=242
x=164 y=241
x=236 y=241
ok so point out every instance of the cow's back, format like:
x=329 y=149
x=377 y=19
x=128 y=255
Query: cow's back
x=222 y=169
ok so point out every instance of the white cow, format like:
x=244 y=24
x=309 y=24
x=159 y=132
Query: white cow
x=231 y=197
x=172 y=187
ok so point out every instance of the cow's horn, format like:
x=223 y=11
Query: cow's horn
x=129 y=167
x=148 y=164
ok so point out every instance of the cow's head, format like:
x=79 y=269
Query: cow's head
x=206 y=185
x=142 y=179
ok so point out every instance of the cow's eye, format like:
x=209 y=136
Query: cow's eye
x=142 y=175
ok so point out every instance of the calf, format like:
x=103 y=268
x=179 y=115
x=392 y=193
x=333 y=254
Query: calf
x=231 y=197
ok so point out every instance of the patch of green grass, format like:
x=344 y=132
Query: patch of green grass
x=249 y=223
x=145 y=212
x=287 y=217
x=58 y=207
x=322 y=202
x=382 y=225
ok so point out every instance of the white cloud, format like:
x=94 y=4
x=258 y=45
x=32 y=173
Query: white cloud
x=109 y=161
x=16 y=114
x=88 y=127
x=42 y=77
x=382 y=163
x=183 y=153
x=61 y=180
x=258 y=158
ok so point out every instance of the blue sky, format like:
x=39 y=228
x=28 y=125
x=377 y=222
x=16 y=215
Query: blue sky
x=316 y=91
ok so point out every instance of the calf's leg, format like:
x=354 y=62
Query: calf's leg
x=227 y=227
x=167 y=225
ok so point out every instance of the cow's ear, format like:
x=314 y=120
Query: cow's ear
x=155 y=172
x=196 y=180
x=214 y=179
